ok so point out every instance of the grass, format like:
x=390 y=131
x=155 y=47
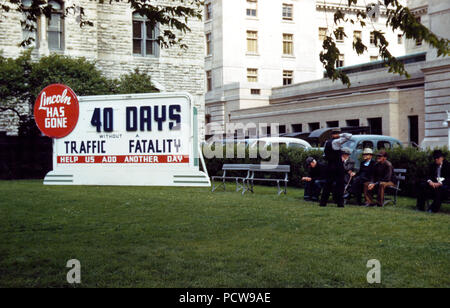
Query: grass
x=190 y=237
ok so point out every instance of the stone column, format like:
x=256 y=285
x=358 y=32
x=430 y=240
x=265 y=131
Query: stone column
x=437 y=79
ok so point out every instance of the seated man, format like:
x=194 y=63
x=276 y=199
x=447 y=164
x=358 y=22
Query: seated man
x=349 y=168
x=315 y=179
x=436 y=185
x=349 y=164
x=381 y=178
x=364 y=175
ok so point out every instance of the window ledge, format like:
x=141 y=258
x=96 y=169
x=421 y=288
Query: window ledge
x=146 y=56
x=252 y=18
x=252 y=54
x=288 y=56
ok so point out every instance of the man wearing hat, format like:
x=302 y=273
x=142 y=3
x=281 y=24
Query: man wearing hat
x=364 y=175
x=315 y=179
x=349 y=164
x=436 y=184
x=382 y=177
x=336 y=172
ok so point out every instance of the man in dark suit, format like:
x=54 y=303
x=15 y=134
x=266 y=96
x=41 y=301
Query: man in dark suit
x=315 y=179
x=336 y=172
x=364 y=175
x=436 y=185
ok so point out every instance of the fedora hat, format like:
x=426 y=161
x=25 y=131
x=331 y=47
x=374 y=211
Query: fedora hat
x=368 y=151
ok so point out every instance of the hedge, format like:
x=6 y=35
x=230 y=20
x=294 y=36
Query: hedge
x=414 y=160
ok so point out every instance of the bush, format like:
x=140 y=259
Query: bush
x=81 y=75
x=414 y=160
x=135 y=82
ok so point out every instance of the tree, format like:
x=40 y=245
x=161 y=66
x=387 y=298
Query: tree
x=398 y=18
x=134 y=82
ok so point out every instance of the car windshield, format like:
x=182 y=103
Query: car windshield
x=296 y=146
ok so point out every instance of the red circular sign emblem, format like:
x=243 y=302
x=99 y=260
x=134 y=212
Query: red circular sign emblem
x=56 y=111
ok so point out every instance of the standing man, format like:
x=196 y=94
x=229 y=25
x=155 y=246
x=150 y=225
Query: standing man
x=336 y=171
x=364 y=175
x=381 y=178
x=315 y=179
x=436 y=185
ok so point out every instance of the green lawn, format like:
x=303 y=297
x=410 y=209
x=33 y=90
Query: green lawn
x=189 y=237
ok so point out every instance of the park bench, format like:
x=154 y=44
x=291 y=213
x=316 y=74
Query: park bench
x=243 y=168
x=265 y=169
x=399 y=175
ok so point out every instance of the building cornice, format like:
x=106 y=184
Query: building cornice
x=344 y=8
x=314 y=109
x=363 y=88
x=419 y=11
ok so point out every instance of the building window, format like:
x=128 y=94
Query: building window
x=340 y=35
x=55 y=27
x=252 y=8
x=288 y=76
x=372 y=38
x=145 y=41
x=252 y=75
x=255 y=91
x=31 y=37
x=282 y=129
x=322 y=34
x=208 y=44
x=287 y=11
x=297 y=128
x=208 y=81
x=399 y=39
x=418 y=42
x=252 y=41
x=376 y=126
x=332 y=124
x=373 y=58
x=340 y=61
x=313 y=126
x=288 y=44
x=208 y=11
x=352 y=123
x=414 y=130
x=357 y=35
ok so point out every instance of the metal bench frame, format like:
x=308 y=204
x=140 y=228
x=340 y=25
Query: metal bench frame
x=224 y=177
x=269 y=169
x=399 y=176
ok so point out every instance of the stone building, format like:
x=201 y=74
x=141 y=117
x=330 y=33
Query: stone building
x=117 y=43
x=412 y=110
x=255 y=45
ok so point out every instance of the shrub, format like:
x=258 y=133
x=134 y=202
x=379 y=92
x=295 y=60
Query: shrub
x=135 y=82
x=414 y=160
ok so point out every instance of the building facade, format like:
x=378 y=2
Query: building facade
x=118 y=42
x=410 y=109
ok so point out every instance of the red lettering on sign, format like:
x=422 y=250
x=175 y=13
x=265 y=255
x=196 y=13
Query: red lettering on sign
x=124 y=159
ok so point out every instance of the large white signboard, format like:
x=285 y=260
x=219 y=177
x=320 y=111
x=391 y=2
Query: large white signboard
x=136 y=139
